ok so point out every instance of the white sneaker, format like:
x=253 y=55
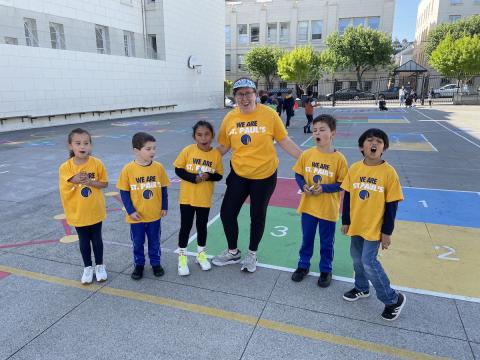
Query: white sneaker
x=183 y=269
x=87 y=276
x=202 y=260
x=100 y=273
x=249 y=263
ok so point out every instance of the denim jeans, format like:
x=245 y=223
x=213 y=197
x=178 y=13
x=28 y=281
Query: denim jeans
x=367 y=267
x=137 y=234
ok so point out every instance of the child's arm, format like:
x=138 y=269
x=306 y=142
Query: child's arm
x=164 y=201
x=185 y=175
x=329 y=188
x=127 y=202
x=213 y=177
x=388 y=223
x=346 y=212
x=301 y=184
x=97 y=184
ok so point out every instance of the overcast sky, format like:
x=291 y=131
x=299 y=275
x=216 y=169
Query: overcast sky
x=405 y=19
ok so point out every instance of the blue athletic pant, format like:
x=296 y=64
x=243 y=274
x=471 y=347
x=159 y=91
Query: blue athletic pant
x=327 y=238
x=91 y=234
x=137 y=234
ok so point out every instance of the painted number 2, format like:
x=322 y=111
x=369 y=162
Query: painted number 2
x=279 y=231
x=447 y=254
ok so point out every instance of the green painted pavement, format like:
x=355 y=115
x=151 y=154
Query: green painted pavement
x=281 y=241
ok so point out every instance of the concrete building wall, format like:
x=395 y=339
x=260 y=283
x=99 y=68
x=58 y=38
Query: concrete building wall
x=39 y=80
x=434 y=12
x=329 y=12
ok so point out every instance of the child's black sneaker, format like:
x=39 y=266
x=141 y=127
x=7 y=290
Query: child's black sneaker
x=391 y=312
x=137 y=273
x=299 y=274
x=325 y=279
x=355 y=294
x=158 y=270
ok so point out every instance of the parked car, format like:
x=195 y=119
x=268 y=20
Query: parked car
x=393 y=92
x=446 y=91
x=351 y=94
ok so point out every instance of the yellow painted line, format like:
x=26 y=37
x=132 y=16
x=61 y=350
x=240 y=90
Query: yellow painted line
x=226 y=315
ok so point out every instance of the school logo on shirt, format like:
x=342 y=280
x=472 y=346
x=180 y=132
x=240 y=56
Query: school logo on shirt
x=317 y=179
x=86 y=192
x=364 y=194
x=246 y=139
x=147 y=194
x=366 y=185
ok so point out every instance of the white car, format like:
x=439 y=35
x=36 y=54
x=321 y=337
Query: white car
x=446 y=90
x=229 y=103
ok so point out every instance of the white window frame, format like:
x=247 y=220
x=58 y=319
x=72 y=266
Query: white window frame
x=101 y=34
x=31 y=35
x=456 y=2
x=242 y=34
x=241 y=62
x=228 y=62
x=257 y=36
x=57 y=36
x=128 y=43
x=284 y=37
x=346 y=20
x=318 y=36
x=11 y=40
x=368 y=22
x=302 y=31
x=454 y=18
x=272 y=37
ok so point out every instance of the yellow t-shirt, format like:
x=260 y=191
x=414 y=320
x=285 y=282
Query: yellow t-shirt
x=317 y=167
x=83 y=205
x=145 y=186
x=370 y=188
x=197 y=161
x=250 y=136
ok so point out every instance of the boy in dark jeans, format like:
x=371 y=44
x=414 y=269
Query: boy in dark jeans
x=372 y=191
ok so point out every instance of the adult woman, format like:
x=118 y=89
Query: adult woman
x=250 y=131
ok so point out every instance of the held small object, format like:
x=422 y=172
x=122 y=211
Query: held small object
x=311 y=187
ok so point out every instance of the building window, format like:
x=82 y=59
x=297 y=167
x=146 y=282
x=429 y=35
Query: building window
x=316 y=29
x=367 y=85
x=228 y=35
x=282 y=84
x=272 y=33
x=338 y=85
x=302 y=31
x=358 y=21
x=128 y=43
x=353 y=84
x=102 y=38
x=11 y=40
x=31 y=35
x=284 y=32
x=228 y=62
x=343 y=24
x=241 y=62
x=254 y=33
x=57 y=36
x=456 y=2
x=373 y=22
x=242 y=34
x=152 y=46
x=453 y=18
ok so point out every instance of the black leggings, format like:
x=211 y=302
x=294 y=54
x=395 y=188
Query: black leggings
x=238 y=189
x=187 y=212
x=93 y=234
x=309 y=120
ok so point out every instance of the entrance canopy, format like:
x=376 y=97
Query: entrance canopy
x=410 y=67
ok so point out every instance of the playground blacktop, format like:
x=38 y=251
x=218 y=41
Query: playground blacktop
x=45 y=313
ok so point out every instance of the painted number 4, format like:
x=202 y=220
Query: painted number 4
x=447 y=254
x=280 y=231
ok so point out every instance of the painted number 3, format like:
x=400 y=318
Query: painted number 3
x=279 y=231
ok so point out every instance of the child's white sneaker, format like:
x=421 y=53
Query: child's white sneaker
x=202 y=260
x=101 y=273
x=183 y=269
x=87 y=276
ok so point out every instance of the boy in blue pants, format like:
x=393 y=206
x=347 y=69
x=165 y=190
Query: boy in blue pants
x=143 y=188
x=372 y=192
x=319 y=172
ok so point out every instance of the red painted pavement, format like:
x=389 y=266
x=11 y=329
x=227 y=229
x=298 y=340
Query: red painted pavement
x=3 y=275
x=28 y=243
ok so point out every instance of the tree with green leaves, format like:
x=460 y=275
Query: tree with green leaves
x=227 y=86
x=261 y=62
x=302 y=66
x=457 y=59
x=464 y=27
x=361 y=48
